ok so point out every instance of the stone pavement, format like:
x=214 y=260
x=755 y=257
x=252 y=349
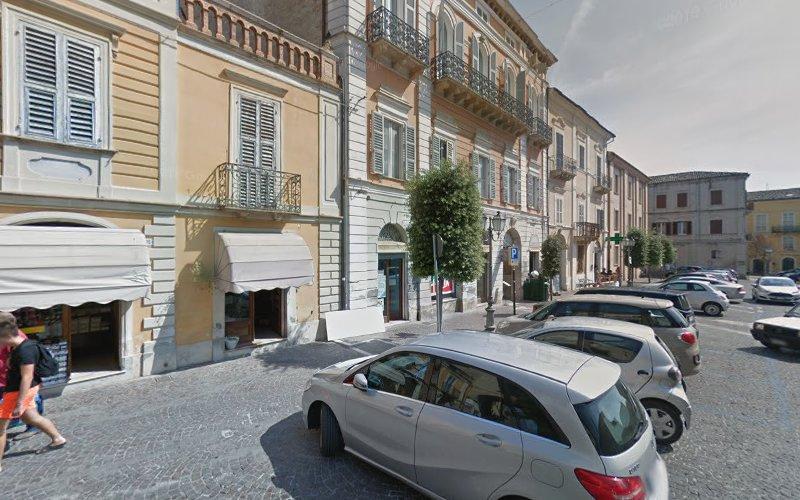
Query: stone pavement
x=234 y=429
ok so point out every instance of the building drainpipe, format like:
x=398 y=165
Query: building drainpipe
x=344 y=240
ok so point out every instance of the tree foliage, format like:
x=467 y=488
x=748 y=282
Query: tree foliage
x=637 y=252
x=551 y=257
x=445 y=201
x=655 y=251
x=670 y=254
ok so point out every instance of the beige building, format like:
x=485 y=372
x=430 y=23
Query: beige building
x=704 y=214
x=578 y=187
x=773 y=230
x=627 y=205
x=169 y=181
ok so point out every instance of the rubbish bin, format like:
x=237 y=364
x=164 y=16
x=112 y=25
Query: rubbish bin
x=535 y=289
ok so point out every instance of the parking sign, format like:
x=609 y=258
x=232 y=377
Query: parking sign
x=514 y=256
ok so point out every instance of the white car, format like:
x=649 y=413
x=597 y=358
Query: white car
x=776 y=289
x=783 y=331
x=648 y=367
x=734 y=291
x=701 y=295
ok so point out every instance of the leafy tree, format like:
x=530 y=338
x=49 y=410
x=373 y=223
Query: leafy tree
x=637 y=252
x=552 y=248
x=670 y=254
x=445 y=201
x=655 y=254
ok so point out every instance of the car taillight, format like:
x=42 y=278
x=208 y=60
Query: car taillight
x=603 y=487
x=689 y=337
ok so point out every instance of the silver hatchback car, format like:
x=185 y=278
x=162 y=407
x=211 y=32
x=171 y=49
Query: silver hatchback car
x=648 y=367
x=474 y=415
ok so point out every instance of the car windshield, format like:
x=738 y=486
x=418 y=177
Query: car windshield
x=542 y=313
x=614 y=421
x=776 y=282
x=793 y=312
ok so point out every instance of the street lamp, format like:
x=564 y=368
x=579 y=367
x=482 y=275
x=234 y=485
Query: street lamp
x=494 y=226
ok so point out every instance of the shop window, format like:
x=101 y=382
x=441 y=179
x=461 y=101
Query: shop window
x=254 y=315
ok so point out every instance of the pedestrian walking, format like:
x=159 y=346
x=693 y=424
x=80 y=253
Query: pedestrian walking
x=22 y=386
x=29 y=431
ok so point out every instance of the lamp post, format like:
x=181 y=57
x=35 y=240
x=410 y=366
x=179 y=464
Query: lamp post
x=494 y=226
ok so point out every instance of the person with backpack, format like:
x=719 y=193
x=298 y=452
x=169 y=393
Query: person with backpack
x=27 y=364
x=29 y=431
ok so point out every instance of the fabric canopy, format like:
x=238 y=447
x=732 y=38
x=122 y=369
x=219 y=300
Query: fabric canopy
x=249 y=262
x=43 y=266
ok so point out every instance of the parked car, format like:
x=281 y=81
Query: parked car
x=668 y=323
x=731 y=272
x=477 y=415
x=783 y=331
x=702 y=296
x=648 y=367
x=788 y=272
x=688 y=269
x=775 y=289
x=719 y=275
x=734 y=291
x=679 y=300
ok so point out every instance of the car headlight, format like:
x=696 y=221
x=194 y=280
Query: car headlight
x=758 y=326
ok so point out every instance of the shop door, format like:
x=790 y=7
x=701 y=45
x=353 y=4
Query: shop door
x=391 y=268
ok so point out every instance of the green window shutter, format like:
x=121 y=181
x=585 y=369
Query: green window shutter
x=377 y=143
x=517 y=187
x=476 y=171
x=435 y=156
x=506 y=192
x=411 y=152
x=492 y=188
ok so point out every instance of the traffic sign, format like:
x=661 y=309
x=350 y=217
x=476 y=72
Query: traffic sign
x=514 y=252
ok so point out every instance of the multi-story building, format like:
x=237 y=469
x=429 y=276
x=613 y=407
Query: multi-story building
x=627 y=205
x=169 y=181
x=773 y=230
x=427 y=82
x=703 y=213
x=577 y=189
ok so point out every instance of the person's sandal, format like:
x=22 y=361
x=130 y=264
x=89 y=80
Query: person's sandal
x=50 y=447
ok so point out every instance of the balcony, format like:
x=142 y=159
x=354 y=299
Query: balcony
x=539 y=132
x=587 y=231
x=786 y=228
x=243 y=187
x=602 y=184
x=396 y=42
x=562 y=167
x=467 y=88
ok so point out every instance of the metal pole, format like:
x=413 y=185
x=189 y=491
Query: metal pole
x=438 y=287
x=490 y=301
x=514 y=289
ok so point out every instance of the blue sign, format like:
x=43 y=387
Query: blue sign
x=514 y=256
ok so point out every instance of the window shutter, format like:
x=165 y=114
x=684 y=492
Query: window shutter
x=506 y=192
x=517 y=187
x=475 y=62
x=459 y=41
x=674 y=228
x=411 y=12
x=689 y=227
x=411 y=152
x=450 y=150
x=492 y=189
x=267 y=114
x=435 y=151
x=39 y=74
x=529 y=189
x=476 y=171
x=248 y=126
x=493 y=67
x=377 y=143
x=81 y=90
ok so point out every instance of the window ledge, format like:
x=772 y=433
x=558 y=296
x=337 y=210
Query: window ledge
x=55 y=144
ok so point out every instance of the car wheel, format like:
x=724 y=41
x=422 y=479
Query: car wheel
x=667 y=422
x=330 y=435
x=712 y=309
x=770 y=346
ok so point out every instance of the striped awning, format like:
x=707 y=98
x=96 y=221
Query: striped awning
x=249 y=262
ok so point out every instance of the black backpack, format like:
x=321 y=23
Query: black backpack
x=46 y=364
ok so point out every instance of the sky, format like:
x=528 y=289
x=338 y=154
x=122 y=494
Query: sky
x=684 y=84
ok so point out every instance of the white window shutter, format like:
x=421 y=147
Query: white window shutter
x=268 y=134
x=39 y=81
x=459 y=40
x=492 y=187
x=474 y=50
x=82 y=79
x=506 y=194
x=411 y=152
x=435 y=151
x=377 y=143
x=248 y=130
x=493 y=67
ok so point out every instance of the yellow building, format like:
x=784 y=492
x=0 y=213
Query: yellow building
x=773 y=230
x=169 y=183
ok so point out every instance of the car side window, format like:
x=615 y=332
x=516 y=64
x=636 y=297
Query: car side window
x=564 y=338
x=659 y=319
x=544 y=312
x=622 y=312
x=678 y=286
x=697 y=288
x=611 y=347
x=573 y=309
x=402 y=373
x=484 y=395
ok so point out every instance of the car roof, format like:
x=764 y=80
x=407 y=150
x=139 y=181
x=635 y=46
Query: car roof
x=602 y=325
x=619 y=299
x=696 y=282
x=615 y=290
x=553 y=362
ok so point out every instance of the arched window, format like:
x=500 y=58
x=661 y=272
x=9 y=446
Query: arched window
x=445 y=34
x=511 y=81
x=483 y=60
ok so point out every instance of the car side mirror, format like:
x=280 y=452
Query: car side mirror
x=360 y=382
x=551 y=317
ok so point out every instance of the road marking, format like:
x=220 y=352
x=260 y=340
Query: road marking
x=720 y=329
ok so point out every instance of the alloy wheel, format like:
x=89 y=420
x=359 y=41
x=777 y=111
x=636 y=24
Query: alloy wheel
x=664 y=426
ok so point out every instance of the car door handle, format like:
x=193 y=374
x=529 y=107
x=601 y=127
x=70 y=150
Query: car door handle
x=404 y=411
x=489 y=440
x=643 y=372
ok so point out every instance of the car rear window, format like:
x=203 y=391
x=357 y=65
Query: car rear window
x=678 y=319
x=614 y=421
x=683 y=303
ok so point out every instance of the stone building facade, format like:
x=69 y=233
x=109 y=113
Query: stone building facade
x=627 y=205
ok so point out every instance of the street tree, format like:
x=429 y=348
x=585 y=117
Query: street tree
x=552 y=249
x=670 y=254
x=445 y=201
x=759 y=248
x=655 y=254
x=637 y=251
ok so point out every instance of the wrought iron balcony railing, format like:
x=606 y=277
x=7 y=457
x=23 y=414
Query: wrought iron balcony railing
x=382 y=24
x=540 y=131
x=251 y=188
x=786 y=228
x=587 y=230
x=448 y=65
x=562 y=167
x=602 y=184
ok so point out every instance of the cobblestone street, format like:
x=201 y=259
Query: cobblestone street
x=234 y=429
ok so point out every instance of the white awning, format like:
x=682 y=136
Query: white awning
x=249 y=262
x=44 y=266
